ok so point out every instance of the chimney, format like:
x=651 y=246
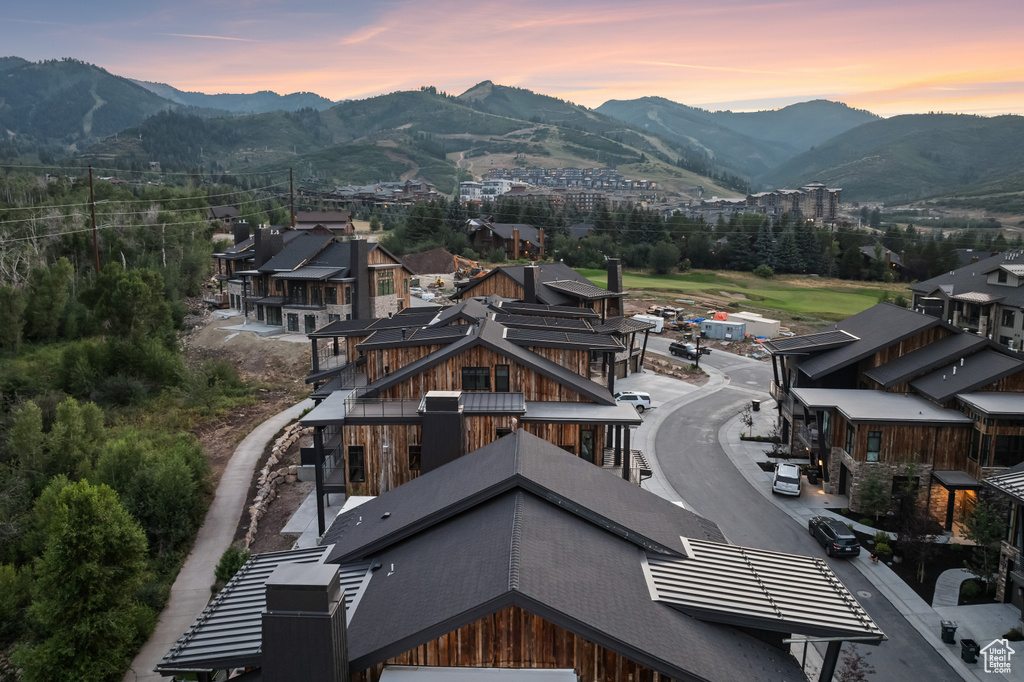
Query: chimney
x=241 y=232
x=442 y=429
x=515 y=243
x=531 y=283
x=540 y=243
x=360 y=269
x=305 y=613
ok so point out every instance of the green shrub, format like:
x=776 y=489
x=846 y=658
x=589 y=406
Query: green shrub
x=764 y=271
x=883 y=551
x=1014 y=635
x=970 y=589
x=865 y=521
x=881 y=537
x=232 y=560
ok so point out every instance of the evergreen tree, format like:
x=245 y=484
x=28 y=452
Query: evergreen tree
x=84 y=611
x=12 y=308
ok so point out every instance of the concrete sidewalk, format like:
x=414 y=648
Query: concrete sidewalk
x=191 y=590
x=982 y=623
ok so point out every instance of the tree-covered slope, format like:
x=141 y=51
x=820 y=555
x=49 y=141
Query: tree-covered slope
x=910 y=157
x=260 y=102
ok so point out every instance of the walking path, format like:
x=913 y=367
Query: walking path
x=191 y=591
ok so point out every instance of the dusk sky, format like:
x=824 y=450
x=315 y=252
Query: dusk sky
x=887 y=56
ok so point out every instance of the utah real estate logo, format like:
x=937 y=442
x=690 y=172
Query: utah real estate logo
x=997 y=656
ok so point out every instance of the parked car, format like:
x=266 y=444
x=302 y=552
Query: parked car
x=787 y=479
x=641 y=401
x=686 y=350
x=834 y=536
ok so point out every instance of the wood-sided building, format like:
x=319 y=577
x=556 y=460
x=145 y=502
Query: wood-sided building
x=302 y=281
x=520 y=557
x=405 y=394
x=890 y=390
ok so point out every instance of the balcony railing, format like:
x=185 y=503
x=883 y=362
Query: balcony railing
x=357 y=406
x=300 y=300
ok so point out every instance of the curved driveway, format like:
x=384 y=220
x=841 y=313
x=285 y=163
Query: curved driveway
x=694 y=463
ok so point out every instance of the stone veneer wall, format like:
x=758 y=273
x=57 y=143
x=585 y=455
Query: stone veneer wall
x=1007 y=553
x=266 y=486
x=382 y=305
x=885 y=470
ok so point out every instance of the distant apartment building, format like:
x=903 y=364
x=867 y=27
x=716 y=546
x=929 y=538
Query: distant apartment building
x=813 y=201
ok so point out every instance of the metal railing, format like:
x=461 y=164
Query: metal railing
x=359 y=406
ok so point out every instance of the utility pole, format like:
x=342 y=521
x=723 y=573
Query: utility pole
x=95 y=238
x=831 y=250
x=291 y=195
x=696 y=359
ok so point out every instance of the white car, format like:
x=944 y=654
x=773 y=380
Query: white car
x=787 y=479
x=641 y=401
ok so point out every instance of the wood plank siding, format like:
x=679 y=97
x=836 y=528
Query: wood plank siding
x=447 y=376
x=942 y=446
x=390 y=468
x=515 y=638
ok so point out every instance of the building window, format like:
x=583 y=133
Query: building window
x=278 y=286
x=348 y=295
x=414 y=457
x=874 y=445
x=293 y=322
x=274 y=316
x=476 y=379
x=972 y=452
x=501 y=378
x=1009 y=451
x=1008 y=318
x=331 y=295
x=259 y=312
x=851 y=438
x=1001 y=276
x=385 y=282
x=356 y=464
x=332 y=317
x=499 y=433
x=310 y=324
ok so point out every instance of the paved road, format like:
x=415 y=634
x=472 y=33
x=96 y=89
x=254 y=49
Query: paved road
x=695 y=464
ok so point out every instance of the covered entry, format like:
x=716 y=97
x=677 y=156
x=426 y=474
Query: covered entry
x=952 y=496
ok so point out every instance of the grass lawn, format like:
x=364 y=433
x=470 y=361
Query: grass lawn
x=826 y=298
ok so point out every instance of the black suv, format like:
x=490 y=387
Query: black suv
x=834 y=535
x=687 y=350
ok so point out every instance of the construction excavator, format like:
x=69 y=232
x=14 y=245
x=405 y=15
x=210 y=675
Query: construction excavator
x=466 y=268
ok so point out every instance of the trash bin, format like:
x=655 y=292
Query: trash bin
x=948 y=631
x=969 y=650
x=812 y=475
x=755 y=405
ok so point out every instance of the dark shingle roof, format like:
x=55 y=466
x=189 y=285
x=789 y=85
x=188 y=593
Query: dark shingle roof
x=948 y=350
x=980 y=369
x=548 y=272
x=413 y=336
x=876 y=328
x=295 y=253
x=623 y=325
x=972 y=279
x=587 y=291
x=367 y=327
x=504 y=230
x=514 y=524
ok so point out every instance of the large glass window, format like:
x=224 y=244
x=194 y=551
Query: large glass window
x=1008 y=318
x=293 y=322
x=310 y=324
x=1009 y=451
x=414 y=457
x=331 y=295
x=476 y=379
x=385 y=282
x=851 y=438
x=274 y=316
x=356 y=464
x=501 y=378
x=874 y=445
x=972 y=452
